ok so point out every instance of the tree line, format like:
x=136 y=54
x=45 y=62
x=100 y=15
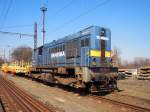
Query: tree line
x=20 y=53
x=136 y=63
x=25 y=53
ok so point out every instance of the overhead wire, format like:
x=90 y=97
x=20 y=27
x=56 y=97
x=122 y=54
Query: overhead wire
x=7 y=11
x=17 y=26
x=3 y=8
x=59 y=10
x=13 y=33
x=63 y=8
x=81 y=15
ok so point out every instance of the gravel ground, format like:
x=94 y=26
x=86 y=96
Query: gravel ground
x=131 y=90
x=63 y=100
x=136 y=88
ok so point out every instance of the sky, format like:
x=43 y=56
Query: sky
x=129 y=21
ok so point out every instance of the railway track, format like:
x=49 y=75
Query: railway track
x=128 y=107
x=132 y=108
x=18 y=100
x=1 y=105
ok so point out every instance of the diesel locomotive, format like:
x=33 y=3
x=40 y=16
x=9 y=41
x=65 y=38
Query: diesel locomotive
x=82 y=60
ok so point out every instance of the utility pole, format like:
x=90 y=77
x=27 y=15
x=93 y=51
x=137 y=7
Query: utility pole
x=35 y=35
x=21 y=35
x=8 y=53
x=26 y=35
x=43 y=9
x=4 y=56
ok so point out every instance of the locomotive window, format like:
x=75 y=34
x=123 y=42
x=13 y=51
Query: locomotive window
x=55 y=49
x=72 y=48
x=103 y=32
x=63 y=47
x=60 y=48
x=40 y=51
x=52 y=50
x=85 y=42
x=82 y=43
x=49 y=50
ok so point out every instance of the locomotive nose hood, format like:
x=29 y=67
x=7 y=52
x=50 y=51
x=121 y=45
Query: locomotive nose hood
x=100 y=54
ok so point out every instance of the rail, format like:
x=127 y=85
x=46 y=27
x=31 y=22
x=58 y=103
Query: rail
x=122 y=104
x=20 y=100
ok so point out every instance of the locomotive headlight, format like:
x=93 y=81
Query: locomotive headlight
x=94 y=62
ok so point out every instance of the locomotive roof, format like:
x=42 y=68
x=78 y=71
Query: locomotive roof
x=83 y=32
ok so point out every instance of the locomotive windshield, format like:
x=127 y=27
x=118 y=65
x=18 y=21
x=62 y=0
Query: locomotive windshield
x=103 y=32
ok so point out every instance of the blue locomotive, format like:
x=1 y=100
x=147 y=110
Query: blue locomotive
x=82 y=60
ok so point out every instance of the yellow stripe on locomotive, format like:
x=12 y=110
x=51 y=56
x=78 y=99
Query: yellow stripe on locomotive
x=97 y=53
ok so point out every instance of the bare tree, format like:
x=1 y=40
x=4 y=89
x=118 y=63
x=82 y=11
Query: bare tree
x=1 y=61
x=138 y=62
x=22 y=53
x=141 y=61
x=116 y=56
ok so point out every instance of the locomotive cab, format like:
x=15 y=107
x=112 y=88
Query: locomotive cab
x=99 y=74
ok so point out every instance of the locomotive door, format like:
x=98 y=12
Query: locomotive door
x=103 y=46
x=85 y=51
x=84 y=56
